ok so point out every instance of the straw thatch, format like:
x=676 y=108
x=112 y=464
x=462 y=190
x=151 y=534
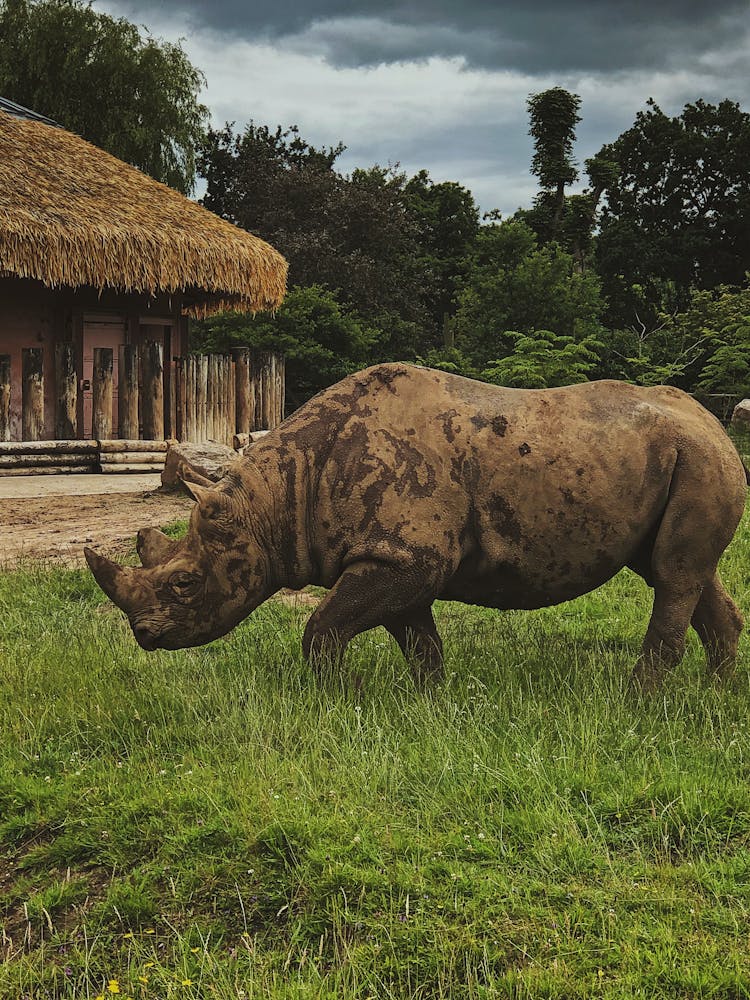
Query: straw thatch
x=71 y=214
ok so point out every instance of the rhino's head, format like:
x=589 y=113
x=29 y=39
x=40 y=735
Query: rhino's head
x=192 y=590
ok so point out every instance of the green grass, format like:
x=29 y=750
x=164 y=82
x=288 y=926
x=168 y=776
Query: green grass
x=214 y=823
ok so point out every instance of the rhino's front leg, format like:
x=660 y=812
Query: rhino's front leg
x=368 y=594
x=418 y=638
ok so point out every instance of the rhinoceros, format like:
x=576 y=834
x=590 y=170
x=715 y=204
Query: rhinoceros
x=400 y=485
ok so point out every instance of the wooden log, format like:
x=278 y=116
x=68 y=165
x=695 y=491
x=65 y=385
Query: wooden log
x=66 y=391
x=152 y=402
x=127 y=392
x=5 y=394
x=133 y=457
x=101 y=412
x=54 y=470
x=49 y=447
x=119 y=445
x=32 y=393
x=40 y=461
x=244 y=416
x=110 y=467
x=240 y=440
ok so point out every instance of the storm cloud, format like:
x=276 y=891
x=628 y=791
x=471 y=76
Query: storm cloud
x=540 y=36
x=443 y=86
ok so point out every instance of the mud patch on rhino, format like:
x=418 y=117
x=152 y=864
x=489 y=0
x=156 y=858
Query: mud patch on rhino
x=503 y=518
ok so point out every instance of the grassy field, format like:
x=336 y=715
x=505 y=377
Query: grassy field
x=214 y=823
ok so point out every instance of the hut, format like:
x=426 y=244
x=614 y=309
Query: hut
x=96 y=255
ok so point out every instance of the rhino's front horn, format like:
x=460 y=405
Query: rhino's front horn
x=110 y=576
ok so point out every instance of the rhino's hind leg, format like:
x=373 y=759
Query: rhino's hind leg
x=718 y=622
x=664 y=644
x=366 y=594
x=697 y=525
x=418 y=639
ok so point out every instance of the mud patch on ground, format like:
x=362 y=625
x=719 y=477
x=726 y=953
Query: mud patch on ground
x=56 y=528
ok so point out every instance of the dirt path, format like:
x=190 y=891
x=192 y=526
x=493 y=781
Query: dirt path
x=56 y=527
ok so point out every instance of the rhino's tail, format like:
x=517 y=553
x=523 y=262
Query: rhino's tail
x=747 y=474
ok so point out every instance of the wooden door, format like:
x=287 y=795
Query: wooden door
x=100 y=332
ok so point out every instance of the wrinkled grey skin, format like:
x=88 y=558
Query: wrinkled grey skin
x=400 y=485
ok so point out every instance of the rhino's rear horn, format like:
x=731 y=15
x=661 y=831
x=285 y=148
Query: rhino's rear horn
x=154 y=547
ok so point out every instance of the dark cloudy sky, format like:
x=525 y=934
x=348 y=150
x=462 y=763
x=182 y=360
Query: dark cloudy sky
x=442 y=84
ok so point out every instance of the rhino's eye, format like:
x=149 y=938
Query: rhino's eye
x=185 y=585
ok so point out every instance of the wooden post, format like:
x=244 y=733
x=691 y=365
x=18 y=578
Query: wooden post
x=180 y=400
x=227 y=401
x=266 y=388
x=231 y=400
x=216 y=402
x=5 y=390
x=169 y=398
x=101 y=413
x=209 y=431
x=66 y=392
x=127 y=395
x=281 y=367
x=202 y=399
x=244 y=416
x=32 y=393
x=190 y=391
x=152 y=403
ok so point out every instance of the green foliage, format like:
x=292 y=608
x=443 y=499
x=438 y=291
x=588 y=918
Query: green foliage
x=322 y=340
x=352 y=235
x=553 y=116
x=543 y=360
x=447 y=224
x=516 y=285
x=679 y=208
x=98 y=76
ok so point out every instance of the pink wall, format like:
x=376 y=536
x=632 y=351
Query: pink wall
x=27 y=322
x=34 y=316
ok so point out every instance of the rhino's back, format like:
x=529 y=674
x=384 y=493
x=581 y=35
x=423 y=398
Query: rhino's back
x=545 y=492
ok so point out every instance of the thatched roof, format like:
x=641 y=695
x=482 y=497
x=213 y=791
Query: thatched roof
x=71 y=214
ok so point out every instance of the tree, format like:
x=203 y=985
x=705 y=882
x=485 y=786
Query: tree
x=514 y=284
x=353 y=235
x=447 y=223
x=677 y=214
x=553 y=116
x=98 y=76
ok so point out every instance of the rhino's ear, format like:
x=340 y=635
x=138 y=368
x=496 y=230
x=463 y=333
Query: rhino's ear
x=154 y=547
x=191 y=477
x=212 y=503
